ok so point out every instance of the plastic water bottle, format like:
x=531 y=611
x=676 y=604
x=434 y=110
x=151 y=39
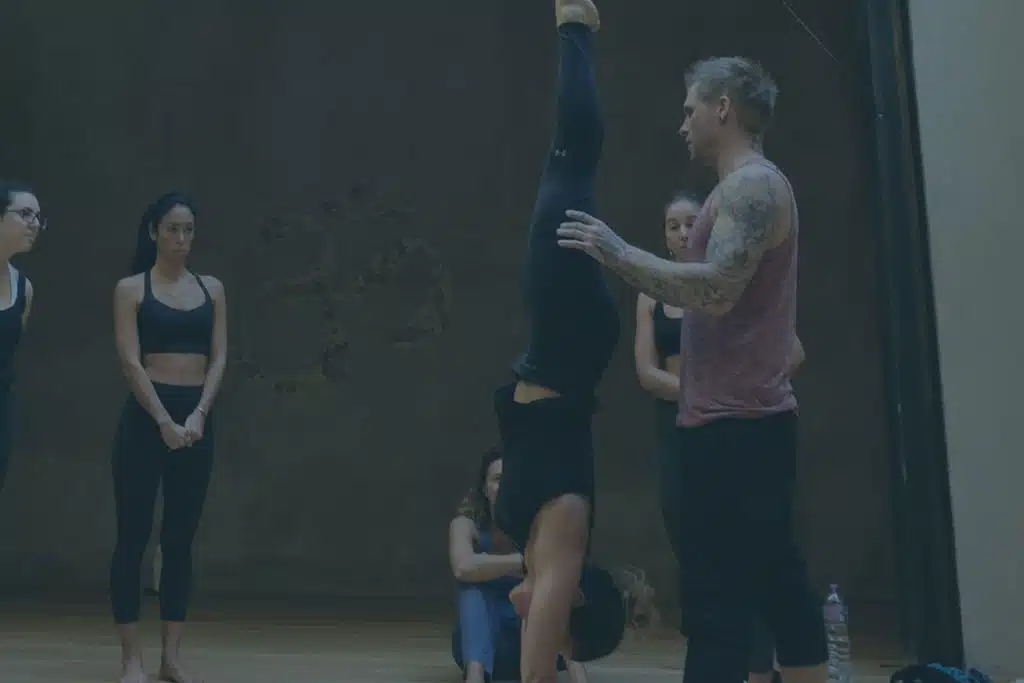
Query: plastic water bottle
x=840 y=667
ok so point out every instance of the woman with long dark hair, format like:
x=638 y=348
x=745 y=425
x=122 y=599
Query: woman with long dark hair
x=171 y=331
x=20 y=225
x=486 y=643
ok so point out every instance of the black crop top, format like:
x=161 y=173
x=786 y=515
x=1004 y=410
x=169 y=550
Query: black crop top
x=666 y=332
x=165 y=329
x=10 y=325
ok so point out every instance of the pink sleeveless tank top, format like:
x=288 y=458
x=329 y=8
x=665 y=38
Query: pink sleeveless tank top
x=736 y=363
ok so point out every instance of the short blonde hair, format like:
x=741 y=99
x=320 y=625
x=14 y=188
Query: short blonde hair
x=748 y=84
x=638 y=594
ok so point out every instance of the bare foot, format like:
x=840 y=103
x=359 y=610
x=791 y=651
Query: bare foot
x=172 y=671
x=132 y=671
x=577 y=11
x=475 y=673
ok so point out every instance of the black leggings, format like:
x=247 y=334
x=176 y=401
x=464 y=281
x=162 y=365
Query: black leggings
x=573 y=318
x=141 y=461
x=668 y=469
x=5 y=433
x=762 y=652
x=740 y=560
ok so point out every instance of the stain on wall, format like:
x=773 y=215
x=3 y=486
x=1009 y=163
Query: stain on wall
x=408 y=269
x=365 y=173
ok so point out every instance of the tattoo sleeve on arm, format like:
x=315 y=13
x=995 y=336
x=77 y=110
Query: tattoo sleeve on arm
x=747 y=225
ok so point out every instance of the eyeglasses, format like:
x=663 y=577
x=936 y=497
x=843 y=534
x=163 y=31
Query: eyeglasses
x=29 y=217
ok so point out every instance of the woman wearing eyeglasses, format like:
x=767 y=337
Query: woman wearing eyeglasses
x=20 y=225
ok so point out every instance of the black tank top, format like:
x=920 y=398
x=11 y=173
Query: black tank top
x=165 y=329
x=10 y=326
x=666 y=332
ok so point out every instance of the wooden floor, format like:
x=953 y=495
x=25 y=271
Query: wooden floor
x=44 y=646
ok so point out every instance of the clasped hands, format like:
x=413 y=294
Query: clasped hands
x=177 y=436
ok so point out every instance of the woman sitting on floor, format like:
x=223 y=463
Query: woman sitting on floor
x=486 y=641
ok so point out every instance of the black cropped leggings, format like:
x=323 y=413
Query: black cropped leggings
x=141 y=461
x=670 y=463
x=5 y=433
x=574 y=322
x=739 y=556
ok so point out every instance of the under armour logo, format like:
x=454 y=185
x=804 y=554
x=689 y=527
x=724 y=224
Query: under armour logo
x=560 y=153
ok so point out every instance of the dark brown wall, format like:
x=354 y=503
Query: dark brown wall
x=377 y=161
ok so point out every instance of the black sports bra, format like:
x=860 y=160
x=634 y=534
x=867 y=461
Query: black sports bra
x=165 y=329
x=666 y=332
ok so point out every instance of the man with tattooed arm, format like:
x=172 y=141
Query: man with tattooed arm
x=737 y=409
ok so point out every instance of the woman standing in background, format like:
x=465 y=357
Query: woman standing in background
x=20 y=225
x=658 y=362
x=171 y=333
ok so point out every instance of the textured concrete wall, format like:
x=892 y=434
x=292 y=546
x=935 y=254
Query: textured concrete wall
x=365 y=172
x=972 y=188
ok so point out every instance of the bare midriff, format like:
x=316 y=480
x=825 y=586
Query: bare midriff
x=181 y=369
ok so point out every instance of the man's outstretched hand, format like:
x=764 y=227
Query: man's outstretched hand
x=583 y=232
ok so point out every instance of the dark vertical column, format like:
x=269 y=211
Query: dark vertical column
x=914 y=394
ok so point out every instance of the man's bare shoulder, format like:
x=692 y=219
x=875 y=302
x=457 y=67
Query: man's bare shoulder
x=754 y=181
x=749 y=179
x=757 y=195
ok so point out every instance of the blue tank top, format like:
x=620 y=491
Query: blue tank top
x=10 y=326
